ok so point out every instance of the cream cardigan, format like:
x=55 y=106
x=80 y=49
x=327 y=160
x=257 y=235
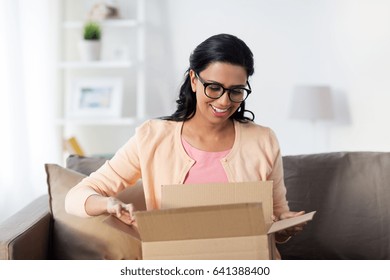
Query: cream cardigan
x=155 y=154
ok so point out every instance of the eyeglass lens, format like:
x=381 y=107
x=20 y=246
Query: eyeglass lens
x=216 y=91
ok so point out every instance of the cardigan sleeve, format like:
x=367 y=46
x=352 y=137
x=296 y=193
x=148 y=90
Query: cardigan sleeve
x=121 y=171
x=277 y=176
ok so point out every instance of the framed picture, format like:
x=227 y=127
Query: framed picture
x=91 y=98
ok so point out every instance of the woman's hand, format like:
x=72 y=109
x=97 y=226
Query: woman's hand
x=285 y=235
x=122 y=211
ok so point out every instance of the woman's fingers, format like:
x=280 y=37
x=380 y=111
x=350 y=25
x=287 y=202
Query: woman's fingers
x=291 y=214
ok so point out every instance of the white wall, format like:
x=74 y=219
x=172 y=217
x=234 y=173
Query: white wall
x=342 y=43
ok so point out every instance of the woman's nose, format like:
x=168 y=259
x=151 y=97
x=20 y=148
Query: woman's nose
x=224 y=99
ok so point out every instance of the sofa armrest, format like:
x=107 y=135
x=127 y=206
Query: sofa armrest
x=26 y=234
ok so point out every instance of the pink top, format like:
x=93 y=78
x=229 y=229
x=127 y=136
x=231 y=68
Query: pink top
x=207 y=167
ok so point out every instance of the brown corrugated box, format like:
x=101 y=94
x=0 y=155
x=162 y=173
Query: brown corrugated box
x=212 y=221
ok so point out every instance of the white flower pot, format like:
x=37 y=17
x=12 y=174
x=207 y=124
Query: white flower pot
x=89 y=50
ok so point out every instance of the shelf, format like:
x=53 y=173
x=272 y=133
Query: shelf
x=98 y=122
x=105 y=23
x=95 y=64
x=123 y=57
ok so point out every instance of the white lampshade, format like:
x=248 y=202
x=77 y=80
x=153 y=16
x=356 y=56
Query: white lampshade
x=312 y=103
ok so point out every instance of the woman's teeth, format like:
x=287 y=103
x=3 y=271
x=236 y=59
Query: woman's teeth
x=219 y=110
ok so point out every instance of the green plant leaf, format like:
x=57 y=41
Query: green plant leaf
x=92 y=31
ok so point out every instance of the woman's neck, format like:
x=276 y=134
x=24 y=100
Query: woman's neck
x=209 y=137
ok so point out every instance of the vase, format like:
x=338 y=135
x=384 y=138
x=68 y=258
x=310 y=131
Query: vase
x=89 y=50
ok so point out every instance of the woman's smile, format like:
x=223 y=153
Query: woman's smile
x=220 y=112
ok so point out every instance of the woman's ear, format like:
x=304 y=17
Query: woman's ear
x=193 y=80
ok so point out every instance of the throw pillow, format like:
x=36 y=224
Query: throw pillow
x=84 y=165
x=86 y=238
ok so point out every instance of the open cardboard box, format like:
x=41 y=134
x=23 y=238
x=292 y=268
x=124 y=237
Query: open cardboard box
x=212 y=221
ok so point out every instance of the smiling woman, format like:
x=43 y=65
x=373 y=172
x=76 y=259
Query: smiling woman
x=26 y=104
x=209 y=139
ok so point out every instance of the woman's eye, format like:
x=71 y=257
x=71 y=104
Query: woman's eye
x=215 y=87
x=237 y=91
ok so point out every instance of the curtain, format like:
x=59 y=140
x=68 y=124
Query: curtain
x=29 y=137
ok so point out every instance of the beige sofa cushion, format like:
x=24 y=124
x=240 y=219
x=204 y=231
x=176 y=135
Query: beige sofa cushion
x=88 y=238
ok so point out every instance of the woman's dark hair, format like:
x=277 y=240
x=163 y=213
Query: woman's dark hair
x=218 y=48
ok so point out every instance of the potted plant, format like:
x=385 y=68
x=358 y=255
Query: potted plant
x=90 y=45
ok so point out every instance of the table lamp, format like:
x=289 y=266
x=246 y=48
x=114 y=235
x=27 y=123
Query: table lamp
x=312 y=103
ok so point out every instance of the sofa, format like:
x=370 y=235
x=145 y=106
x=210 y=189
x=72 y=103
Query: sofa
x=349 y=190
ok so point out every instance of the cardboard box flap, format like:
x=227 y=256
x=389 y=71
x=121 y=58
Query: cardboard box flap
x=188 y=195
x=283 y=224
x=215 y=221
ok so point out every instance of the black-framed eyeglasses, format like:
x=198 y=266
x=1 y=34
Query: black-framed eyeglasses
x=216 y=90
